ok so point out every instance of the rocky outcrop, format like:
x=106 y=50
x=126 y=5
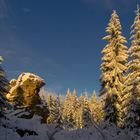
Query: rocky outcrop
x=24 y=92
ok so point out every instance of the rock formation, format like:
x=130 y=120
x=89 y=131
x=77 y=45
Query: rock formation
x=24 y=93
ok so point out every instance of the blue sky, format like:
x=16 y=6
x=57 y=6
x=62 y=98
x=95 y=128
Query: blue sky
x=59 y=40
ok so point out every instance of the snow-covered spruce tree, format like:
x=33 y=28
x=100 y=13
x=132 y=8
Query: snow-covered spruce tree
x=96 y=108
x=54 y=110
x=83 y=119
x=59 y=107
x=79 y=119
x=3 y=89
x=99 y=115
x=113 y=112
x=113 y=67
x=131 y=97
x=51 y=107
x=70 y=109
x=93 y=98
x=93 y=103
x=74 y=107
x=86 y=114
x=67 y=114
x=79 y=116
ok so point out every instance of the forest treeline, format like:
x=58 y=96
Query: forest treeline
x=72 y=112
x=119 y=100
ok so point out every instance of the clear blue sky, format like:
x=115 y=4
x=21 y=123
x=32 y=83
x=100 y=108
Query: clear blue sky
x=59 y=40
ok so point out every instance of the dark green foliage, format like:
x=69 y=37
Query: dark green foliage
x=3 y=89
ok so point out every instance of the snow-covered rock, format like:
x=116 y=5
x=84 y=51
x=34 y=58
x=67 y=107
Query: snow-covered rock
x=24 y=96
x=24 y=91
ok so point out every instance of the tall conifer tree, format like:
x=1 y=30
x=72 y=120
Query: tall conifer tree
x=131 y=99
x=3 y=89
x=113 y=68
x=86 y=113
x=67 y=114
x=96 y=108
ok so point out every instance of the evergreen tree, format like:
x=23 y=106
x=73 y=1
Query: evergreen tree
x=67 y=114
x=79 y=116
x=54 y=110
x=96 y=108
x=70 y=110
x=74 y=107
x=93 y=98
x=99 y=115
x=59 y=106
x=93 y=106
x=113 y=69
x=131 y=99
x=3 y=89
x=79 y=119
x=86 y=114
x=113 y=112
x=44 y=105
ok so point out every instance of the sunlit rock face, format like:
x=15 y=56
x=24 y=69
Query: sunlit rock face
x=24 y=91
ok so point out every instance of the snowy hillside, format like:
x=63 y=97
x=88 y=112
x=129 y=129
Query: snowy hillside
x=14 y=128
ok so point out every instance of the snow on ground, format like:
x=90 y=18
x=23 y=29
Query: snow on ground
x=94 y=134
x=48 y=132
x=13 y=123
x=81 y=134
